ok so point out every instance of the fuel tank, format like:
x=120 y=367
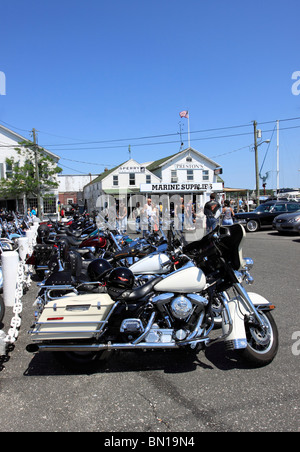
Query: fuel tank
x=97 y=242
x=152 y=264
x=188 y=279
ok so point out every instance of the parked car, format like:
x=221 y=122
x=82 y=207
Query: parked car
x=264 y=214
x=287 y=222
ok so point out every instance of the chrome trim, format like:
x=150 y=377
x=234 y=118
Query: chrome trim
x=252 y=309
x=147 y=330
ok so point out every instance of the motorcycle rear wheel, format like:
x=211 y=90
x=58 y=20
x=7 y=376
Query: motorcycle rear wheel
x=262 y=346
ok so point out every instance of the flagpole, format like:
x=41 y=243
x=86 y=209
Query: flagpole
x=189 y=139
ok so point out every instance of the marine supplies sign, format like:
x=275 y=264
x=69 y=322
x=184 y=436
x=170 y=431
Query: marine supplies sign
x=175 y=188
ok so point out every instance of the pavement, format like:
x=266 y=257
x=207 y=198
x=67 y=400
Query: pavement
x=166 y=392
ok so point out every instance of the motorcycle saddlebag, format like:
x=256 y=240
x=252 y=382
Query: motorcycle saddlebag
x=72 y=317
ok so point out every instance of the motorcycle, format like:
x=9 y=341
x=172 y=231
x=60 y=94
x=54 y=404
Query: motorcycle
x=172 y=311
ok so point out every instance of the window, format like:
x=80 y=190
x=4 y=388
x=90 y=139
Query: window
x=189 y=159
x=115 y=180
x=205 y=175
x=49 y=205
x=174 y=177
x=9 y=171
x=293 y=207
x=148 y=178
x=190 y=174
x=131 y=178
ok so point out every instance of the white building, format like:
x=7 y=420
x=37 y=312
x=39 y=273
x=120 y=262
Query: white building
x=187 y=173
x=9 y=140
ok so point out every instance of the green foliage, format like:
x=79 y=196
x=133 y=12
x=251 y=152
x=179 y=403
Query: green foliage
x=24 y=180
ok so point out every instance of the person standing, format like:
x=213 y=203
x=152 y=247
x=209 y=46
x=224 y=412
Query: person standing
x=211 y=211
x=179 y=214
x=137 y=216
x=122 y=217
x=228 y=214
x=146 y=216
x=189 y=212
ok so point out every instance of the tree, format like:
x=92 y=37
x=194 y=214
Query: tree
x=34 y=177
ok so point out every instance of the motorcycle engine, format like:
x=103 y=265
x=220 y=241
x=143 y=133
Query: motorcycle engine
x=181 y=307
x=180 y=311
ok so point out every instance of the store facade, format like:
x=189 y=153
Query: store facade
x=187 y=176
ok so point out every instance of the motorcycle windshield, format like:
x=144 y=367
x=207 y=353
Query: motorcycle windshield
x=224 y=241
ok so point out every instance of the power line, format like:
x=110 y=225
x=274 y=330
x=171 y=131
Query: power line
x=168 y=134
x=156 y=136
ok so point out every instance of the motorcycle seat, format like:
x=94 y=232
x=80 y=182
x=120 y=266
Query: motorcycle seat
x=140 y=292
x=70 y=240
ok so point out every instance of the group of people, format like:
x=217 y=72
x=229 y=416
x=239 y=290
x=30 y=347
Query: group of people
x=147 y=216
x=31 y=213
x=213 y=210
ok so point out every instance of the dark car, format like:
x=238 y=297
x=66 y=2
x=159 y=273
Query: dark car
x=264 y=214
x=287 y=222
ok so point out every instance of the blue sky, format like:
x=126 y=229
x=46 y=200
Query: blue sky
x=107 y=70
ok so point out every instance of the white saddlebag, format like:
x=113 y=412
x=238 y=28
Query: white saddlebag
x=72 y=317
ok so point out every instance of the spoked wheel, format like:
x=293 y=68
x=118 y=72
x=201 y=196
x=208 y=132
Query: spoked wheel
x=262 y=344
x=252 y=226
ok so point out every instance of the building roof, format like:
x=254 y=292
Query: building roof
x=161 y=162
x=20 y=138
x=104 y=174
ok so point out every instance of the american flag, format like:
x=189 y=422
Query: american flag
x=184 y=114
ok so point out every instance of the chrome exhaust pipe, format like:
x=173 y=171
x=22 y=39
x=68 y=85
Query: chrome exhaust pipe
x=39 y=347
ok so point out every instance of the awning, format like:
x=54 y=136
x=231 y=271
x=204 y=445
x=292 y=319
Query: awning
x=231 y=190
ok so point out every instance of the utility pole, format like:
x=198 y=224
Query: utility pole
x=256 y=162
x=277 y=185
x=37 y=175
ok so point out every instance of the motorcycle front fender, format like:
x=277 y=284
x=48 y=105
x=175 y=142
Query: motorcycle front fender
x=236 y=339
x=260 y=301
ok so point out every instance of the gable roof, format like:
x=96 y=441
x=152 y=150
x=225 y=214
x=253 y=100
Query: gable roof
x=161 y=162
x=104 y=174
x=20 y=138
x=108 y=172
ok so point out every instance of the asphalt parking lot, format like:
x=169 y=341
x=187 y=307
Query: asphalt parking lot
x=167 y=391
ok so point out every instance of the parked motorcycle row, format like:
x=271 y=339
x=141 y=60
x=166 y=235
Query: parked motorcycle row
x=102 y=292
x=12 y=227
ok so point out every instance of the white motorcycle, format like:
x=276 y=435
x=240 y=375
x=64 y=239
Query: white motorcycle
x=169 y=312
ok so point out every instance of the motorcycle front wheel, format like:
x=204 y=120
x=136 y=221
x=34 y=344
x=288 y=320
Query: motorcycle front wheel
x=262 y=345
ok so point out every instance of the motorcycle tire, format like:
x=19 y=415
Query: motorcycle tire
x=82 y=360
x=261 y=347
x=2 y=308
